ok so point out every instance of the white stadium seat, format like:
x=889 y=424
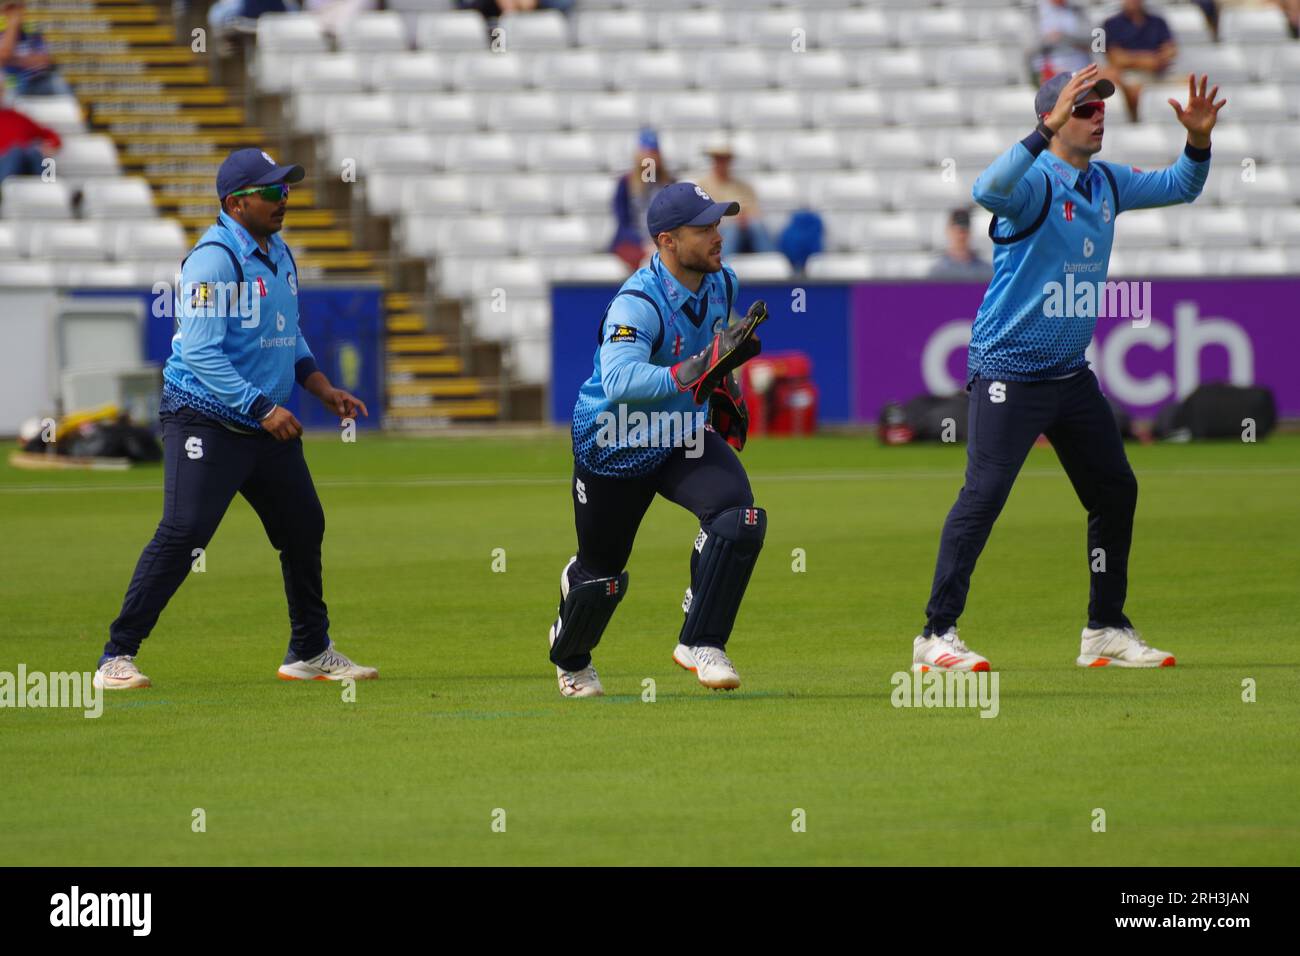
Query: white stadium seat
x=27 y=274
x=438 y=195
x=127 y=197
x=410 y=72
x=557 y=236
x=776 y=29
x=362 y=111
x=811 y=149
x=890 y=232
x=977 y=66
x=1148 y=145
x=1169 y=262
x=1187 y=23
x=451 y=31
x=150 y=239
x=1261 y=101
x=10 y=245
x=89 y=155
x=526 y=112
x=374 y=32
x=705 y=30
x=923 y=190
x=1226 y=65
x=489 y=72
x=897 y=148
x=571 y=70
x=1143 y=229
x=768 y=109
x=930 y=109
x=815 y=70
x=290 y=33
x=613 y=29
x=67 y=240
x=60 y=113
x=738 y=68
x=1222 y=228
x=29 y=197
x=850 y=192
x=1284 y=64
x=839 y=267
x=487 y=152
x=519 y=278
x=761 y=267
x=1263 y=186
x=946 y=27
x=1252 y=24
x=534 y=30
x=327 y=73
x=699 y=110
x=411 y=152
x=98 y=275
x=566 y=153
x=974 y=149
x=613 y=111
x=852 y=109
x=1282 y=227
x=600 y=268
x=519 y=195
x=656 y=70
x=449 y=113
x=853 y=29
x=892 y=69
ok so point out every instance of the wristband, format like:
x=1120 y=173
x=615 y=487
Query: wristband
x=1045 y=131
x=269 y=414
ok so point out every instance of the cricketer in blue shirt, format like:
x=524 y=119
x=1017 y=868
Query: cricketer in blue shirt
x=236 y=353
x=1054 y=221
x=661 y=414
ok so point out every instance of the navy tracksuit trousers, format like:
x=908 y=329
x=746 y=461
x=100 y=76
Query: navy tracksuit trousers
x=1006 y=419
x=205 y=465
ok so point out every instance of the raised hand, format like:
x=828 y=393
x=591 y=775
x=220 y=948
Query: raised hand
x=1201 y=112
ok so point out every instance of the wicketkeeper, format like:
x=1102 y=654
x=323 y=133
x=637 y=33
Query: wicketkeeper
x=660 y=415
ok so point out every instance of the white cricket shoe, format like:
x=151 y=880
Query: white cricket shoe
x=120 y=673
x=581 y=683
x=1119 y=647
x=711 y=666
x=945 y=652
x=329 y=664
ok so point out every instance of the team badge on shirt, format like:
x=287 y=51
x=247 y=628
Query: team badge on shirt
x=200 y=295
x=1105 y=210
x=293 y=282
x=623 y=333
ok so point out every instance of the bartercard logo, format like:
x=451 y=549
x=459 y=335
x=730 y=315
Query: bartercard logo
x=133 y=910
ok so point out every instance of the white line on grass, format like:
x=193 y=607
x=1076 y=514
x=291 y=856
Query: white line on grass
x=469 y=481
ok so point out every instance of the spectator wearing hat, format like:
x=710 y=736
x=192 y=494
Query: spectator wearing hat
x=746 y=233
x=635 y=191
x=959 y=260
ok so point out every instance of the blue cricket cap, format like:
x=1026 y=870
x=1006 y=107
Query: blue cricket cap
x=253 y=167
x=1050 y=92
x=685 y=204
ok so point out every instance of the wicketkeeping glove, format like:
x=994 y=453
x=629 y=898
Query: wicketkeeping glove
x=730 y=348
x=727 y=412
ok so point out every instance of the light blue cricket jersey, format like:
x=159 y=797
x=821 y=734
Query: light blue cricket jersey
x=237 y=348
x=1052 y=220
x=652 y=324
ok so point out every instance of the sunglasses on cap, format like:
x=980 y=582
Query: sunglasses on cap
x=273 y=193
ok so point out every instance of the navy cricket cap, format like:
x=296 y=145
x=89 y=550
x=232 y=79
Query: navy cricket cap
x=685 y=204
x=253 y=167
x=1050 y=92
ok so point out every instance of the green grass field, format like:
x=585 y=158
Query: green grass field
x=467 y=719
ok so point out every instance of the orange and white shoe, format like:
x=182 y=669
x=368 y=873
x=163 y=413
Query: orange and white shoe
x=119 y=673
x=945 y=652
x=1119 y=647
x=329 y=664
x=710 y=665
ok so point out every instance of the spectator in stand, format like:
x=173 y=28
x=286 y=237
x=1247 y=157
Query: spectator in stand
x=25 y=57
x=491 y=9
x=24 y=144
x=744 y=232
x=226 y=16
x=335 y=15
x=1065 y=42
x=1141 y=46
x=959 y=260
x=632 y=196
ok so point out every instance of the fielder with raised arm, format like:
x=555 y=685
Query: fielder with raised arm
x=1054 y=215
